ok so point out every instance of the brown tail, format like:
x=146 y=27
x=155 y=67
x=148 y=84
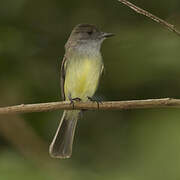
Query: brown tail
x=61 y=146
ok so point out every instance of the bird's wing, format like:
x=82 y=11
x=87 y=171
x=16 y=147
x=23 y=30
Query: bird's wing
x=63 y=73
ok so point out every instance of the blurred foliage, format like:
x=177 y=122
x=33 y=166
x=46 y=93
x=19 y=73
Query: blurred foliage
x=141 y=61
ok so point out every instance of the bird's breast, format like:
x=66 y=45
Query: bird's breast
x=82 y=77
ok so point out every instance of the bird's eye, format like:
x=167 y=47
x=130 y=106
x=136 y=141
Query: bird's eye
x=90 y=32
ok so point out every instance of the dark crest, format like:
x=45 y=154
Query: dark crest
x=86 y=28
x=86 y=32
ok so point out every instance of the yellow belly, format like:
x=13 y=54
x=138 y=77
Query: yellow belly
x=82 y=78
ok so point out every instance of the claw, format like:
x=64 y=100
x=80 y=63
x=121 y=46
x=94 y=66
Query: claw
x=76 y=99
x=72 y=100
x=93 y=99
x=72 y=103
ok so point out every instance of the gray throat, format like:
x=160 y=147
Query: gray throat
x=87 y=49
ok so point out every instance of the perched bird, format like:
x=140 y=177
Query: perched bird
x=81 y=69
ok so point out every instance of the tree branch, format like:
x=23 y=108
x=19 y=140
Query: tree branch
x=151 y=16
x=109 y=105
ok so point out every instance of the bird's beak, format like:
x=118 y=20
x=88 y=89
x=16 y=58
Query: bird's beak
x=106 y=35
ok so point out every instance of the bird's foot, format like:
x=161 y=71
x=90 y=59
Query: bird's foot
x=72 y=100
x=95 y=99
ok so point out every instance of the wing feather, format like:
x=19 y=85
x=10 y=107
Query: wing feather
x=63 y=73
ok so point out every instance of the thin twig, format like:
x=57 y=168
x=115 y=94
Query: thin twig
x=151 y=16
x=109 y=105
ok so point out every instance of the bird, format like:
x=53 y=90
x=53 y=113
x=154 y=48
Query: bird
x=81 y=69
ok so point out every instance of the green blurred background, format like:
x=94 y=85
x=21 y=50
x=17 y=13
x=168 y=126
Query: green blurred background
x=142 y=61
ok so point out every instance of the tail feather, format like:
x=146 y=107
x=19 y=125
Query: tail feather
x=61 y=146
